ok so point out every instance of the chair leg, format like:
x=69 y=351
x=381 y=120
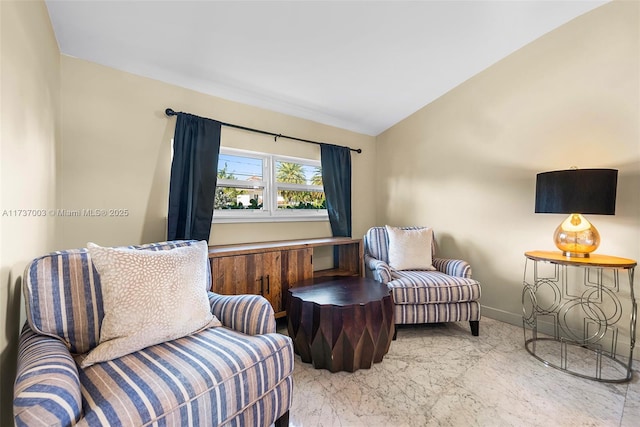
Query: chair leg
x=283 y=421
x=475 y=327
x=395 y=333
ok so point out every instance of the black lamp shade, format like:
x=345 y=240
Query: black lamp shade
x=584 y=191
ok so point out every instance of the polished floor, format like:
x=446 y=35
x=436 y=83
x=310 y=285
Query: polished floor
x=440 y=375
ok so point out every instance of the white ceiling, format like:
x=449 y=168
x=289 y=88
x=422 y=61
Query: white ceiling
x=357 y=65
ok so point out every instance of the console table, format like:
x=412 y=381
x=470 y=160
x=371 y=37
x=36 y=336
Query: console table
x=271 y=268
x=579 y=300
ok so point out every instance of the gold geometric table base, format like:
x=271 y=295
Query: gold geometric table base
x=554 y=302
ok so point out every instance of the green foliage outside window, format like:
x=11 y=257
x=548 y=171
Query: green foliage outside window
x=227 y=197
x=293 y=173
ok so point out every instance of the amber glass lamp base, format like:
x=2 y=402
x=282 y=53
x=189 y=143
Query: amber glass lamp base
x=576 y=237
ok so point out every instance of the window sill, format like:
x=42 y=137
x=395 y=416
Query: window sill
x=264 y=218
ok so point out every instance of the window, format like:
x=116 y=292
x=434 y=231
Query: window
x=255 y=186
x=241 y=183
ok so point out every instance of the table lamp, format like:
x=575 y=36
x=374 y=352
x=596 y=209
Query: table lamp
x=577 y=192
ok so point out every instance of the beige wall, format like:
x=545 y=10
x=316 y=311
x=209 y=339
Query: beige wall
x=29 y=114
x=116 y=148
x=466 y=164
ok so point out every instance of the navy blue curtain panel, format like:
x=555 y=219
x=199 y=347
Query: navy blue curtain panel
x=336 y=178
x=196 y=146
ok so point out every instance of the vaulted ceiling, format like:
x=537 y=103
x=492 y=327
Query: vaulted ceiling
x=357 y=65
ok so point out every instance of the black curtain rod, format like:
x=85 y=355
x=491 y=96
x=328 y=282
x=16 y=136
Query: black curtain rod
x=169 y=112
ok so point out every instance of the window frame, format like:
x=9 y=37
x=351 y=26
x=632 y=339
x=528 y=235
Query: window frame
x=270 y=186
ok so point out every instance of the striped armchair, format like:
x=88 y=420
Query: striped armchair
x=238 y=374
x=448 y=294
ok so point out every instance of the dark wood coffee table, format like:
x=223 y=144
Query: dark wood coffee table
x=342 y=324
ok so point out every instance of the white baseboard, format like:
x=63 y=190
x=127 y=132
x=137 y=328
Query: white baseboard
x=501 y=315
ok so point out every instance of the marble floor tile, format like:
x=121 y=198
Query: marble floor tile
x=441 y=375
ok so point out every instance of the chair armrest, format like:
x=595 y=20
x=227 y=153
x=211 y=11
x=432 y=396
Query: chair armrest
x=47 y=387
x=249 y=314
x=377 y=269
x=453 y=267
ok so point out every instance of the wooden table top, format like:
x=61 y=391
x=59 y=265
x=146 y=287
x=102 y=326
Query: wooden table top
x=260 y=247
x=594 y=260
x=344 y=291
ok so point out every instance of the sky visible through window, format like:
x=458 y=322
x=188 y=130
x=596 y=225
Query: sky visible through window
x=244 y=168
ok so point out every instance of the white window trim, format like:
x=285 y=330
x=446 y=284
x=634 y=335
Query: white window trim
x=270 y=187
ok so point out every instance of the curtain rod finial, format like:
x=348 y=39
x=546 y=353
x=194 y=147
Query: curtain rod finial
x=169 y=112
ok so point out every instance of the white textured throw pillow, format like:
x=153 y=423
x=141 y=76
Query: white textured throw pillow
x=410 y=249
x=149 y=297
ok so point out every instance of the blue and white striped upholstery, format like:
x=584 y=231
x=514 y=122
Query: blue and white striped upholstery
x=201 y=379
x=243 y=313
x=436 y=313
x=64 y=297
x=376 y=256
x=431 y=287
x=240 y=374
x=47 y=388
x=377 y=269
x=448 y=294
x=453 y=267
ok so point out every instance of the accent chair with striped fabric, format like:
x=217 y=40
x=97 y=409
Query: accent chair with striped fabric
x=238 y=374
x=445 y=294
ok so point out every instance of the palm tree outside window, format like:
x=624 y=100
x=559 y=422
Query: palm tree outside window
x=261 y=185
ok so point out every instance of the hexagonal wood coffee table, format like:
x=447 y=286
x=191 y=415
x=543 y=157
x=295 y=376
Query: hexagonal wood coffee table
x=343 y=324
